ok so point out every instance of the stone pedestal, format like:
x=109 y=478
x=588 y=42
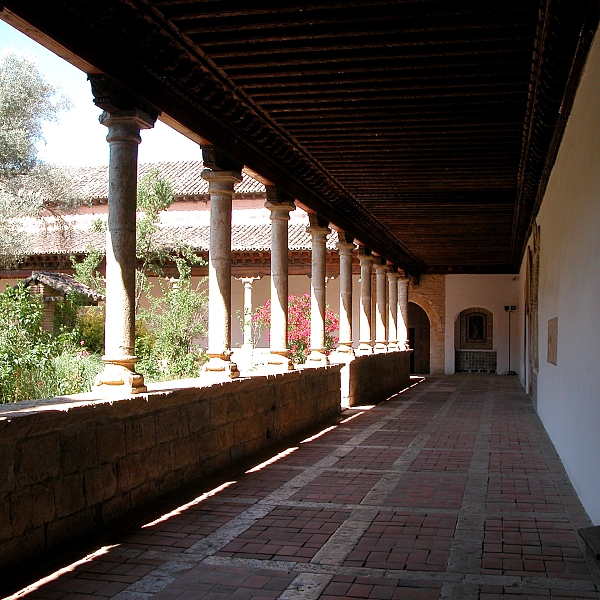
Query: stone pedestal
x=119 y=375
x=318 y=353
x=392 y=277
x=220 y=188
x=364 y=324
x=279 y=359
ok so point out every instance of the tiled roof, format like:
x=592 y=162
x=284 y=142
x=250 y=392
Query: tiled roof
x=185 y=176
x=63 y=283
x=244 y=238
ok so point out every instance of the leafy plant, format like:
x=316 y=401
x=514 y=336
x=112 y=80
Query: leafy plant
x=35 y=363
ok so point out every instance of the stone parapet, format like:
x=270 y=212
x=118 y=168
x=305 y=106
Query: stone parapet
x=70 y=464
x=374 y=377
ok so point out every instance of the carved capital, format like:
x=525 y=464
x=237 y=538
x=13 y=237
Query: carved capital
x=112 y=97
x=217 y=160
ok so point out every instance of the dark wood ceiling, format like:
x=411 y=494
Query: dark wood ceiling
x=425 y=128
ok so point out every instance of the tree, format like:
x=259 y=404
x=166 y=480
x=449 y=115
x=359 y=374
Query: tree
x=167 y=331
x=28 y=187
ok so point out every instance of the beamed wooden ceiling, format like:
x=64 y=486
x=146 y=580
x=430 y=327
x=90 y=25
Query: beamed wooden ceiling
x=427 y=128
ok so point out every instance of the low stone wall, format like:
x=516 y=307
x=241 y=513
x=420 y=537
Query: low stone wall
x=68 y=465
x=375 y=377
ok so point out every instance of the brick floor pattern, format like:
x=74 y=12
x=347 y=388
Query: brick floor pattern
x=448 y=490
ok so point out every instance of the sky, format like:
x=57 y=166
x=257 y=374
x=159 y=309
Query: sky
x=77 y=139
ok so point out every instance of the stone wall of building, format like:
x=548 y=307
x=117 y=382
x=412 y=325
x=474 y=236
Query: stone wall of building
x=430 y=295
x=377 y=376
x=68 y=465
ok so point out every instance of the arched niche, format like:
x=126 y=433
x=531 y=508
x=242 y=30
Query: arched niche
x=476 y=329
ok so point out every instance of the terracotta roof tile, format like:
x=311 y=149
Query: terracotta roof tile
x=92 y=182
x=63 y=283
x=77 y=238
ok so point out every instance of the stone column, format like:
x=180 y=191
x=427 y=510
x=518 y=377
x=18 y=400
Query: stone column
x=381 y=270
x=280 y=206
x=247 y=323
x=364 y=333
x=318 y=231
x=119 y=373
x=345 y=351
x=403 y=313
x=393 y=311
x=220 y=189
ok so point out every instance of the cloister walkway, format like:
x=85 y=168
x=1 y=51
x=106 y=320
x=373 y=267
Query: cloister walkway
x=450 y=489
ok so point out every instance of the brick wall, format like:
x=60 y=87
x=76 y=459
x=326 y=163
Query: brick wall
x=67 y=466
x=377 y=376
x=430 y=295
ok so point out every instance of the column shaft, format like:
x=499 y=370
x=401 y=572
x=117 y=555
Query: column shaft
x=381 y=309
x=220 y=188
x=317 y=356
x=280 y=215
x=119 y=358
x=366 y=267
x=392 y=311
x=345 y=251
x=403 y=313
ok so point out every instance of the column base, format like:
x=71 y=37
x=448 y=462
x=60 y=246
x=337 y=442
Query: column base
x=317 y=358
x=393 y=347
x=221 y=363
x=380 y=348
x=344 y=353
x=279 y=361
x=119 y=377
x=364 y=348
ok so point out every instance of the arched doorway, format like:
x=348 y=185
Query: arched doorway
x=418 y=339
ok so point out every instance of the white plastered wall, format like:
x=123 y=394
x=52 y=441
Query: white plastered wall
x=569 y=288
x=492 y=292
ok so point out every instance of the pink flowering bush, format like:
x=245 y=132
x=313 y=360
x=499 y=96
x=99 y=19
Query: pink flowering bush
x=299 y=325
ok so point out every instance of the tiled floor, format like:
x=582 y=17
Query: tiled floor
x=448 y=490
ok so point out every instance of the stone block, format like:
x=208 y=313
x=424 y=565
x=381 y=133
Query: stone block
x=158 y=461
x=68 y=495
x=184 y=452
x=115 y=507
x=199 y=416
x=100 y=484
x=78 y=450
x=31 y=508
x=140 y=434
x=6 y=531
x=130 y=473
x=7 y=467
x=38 y=458
x=65 y=529
x=169 y=425
x=111 y=441
x=145 y=492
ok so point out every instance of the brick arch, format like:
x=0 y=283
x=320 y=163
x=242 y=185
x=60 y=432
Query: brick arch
x=430 y=295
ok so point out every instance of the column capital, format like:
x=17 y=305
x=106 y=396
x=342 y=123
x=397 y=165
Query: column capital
x=280 y=211
x=216 y=159
x=393 y=275
x=215 y=178
x=125 y=125
x=345 y=249
x=317 y=227
x=403 y=281
x=380 y=268
x=364 y=257
x=112 y=97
